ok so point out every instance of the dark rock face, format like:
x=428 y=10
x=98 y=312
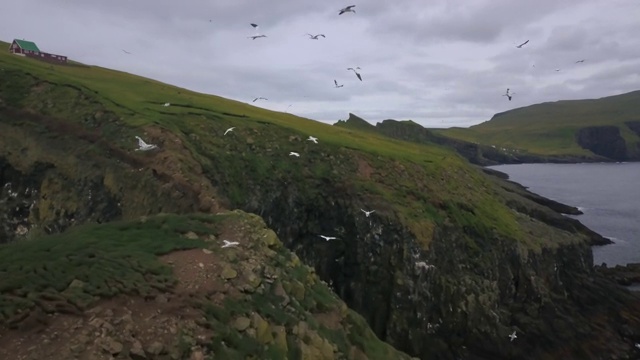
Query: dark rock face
x=41 y=197
x=604 y=141
x=634 y=126
x=623 y=275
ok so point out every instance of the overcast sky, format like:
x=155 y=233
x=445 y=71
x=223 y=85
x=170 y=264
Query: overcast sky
x=441 y=63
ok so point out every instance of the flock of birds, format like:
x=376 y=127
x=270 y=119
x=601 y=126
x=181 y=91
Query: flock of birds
x=509 y=94
x=143 y=146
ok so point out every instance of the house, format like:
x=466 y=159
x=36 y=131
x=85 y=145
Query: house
x=30 y=49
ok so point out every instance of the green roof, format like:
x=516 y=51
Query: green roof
x=27 y=45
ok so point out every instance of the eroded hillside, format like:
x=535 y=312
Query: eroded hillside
x=450 y=263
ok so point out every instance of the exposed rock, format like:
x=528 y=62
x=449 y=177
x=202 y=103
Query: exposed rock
x=155 y=348
x=604 y=141
x=241 y=323
x=228 y=273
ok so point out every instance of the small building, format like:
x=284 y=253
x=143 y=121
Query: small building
x=30 y=49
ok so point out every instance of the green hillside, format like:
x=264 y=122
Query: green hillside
x=553 y=128
x=452 y=261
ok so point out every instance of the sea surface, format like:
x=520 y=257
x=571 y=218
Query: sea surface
x=607 y=194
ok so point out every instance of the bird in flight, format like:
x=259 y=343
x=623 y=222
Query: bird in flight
x=314 y=139
x=143 y=146
x=294 y=154
x=357 y=74
x=580 y=61
x=508 y=95
x=257 y=35
x=347 y=9
x=229 y=130
x=367 y=213
x=126 y=52
x=336 y=82
x=328 y=238
x=557 y=70
x=259 y=98
x=315 y=37
x=513 y=335
x=523 y=44
x=228 y=243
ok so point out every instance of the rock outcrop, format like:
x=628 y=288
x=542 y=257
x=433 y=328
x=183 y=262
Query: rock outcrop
x=604 y=141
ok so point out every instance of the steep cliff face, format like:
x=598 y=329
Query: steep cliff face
x=604 y=141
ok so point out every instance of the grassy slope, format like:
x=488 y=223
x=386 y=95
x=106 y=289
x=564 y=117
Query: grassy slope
x=71 y=272
x=198 y=120
x=549 y=128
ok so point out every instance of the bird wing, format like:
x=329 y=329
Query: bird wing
x=254 y=25
x=335 y=82
x=321 y=35
x=359 y=77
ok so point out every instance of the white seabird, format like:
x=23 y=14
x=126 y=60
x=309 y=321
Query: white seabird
x=315 y=37
x=523 y=44
x=513 y=335
x=256 y=37
x=228 y=243
x=508 y=95
x=229 y=130
x=580 y=61
x=424 y=265
x=166 y=104
x=367 y=213
x=336 y=82
x=328 y=238
x=259 y=98
x=143 y=146
x=294 y=154
x=347 y=9
x=314 y=139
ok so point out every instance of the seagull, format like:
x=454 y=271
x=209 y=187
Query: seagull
x=336 y=82
x=166 y=104
x=508 y=95
x=294 y=154
x=347 y=9
x=256 y=37
x=126 y=52
x=315 y=37
x=367 y=213
x=229 y=130
x=424 y=265
x=580 y=61
x=354 y=70
x=228 y=243
x=523 y=44
x=557 y=70
x=328 y=238
x=314 y=139
x=513 y=335
x=259 y=98
x=143 y=146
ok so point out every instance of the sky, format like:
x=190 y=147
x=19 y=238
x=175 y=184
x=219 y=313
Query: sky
x=440 y=63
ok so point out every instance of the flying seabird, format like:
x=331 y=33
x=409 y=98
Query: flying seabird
x=523 y=44
x=513 y=335
x=259 y=98
x=126 y=52
x=294 y=154
x=228 y=130
x=328 y=237
x=580 y=61
x=143 y=146
x=255 y=26
x=228 y=243
x=256 y=37
x=347 y=9
x=557 y=70
x=357 y=74
x=367 y=213
x=508 y=95
x=336 y=82
x=315 y=37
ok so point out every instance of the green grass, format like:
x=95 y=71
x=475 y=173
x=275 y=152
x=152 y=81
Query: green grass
x=549 y=128
x=415 y=179
x=118 y=258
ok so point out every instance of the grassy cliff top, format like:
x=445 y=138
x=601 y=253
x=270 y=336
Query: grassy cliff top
x=97 y=112
x=550 y=128
x=132 y=278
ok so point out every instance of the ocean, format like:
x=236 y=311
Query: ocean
x=607 y=193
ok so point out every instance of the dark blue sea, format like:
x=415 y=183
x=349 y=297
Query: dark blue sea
x=608 y=194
